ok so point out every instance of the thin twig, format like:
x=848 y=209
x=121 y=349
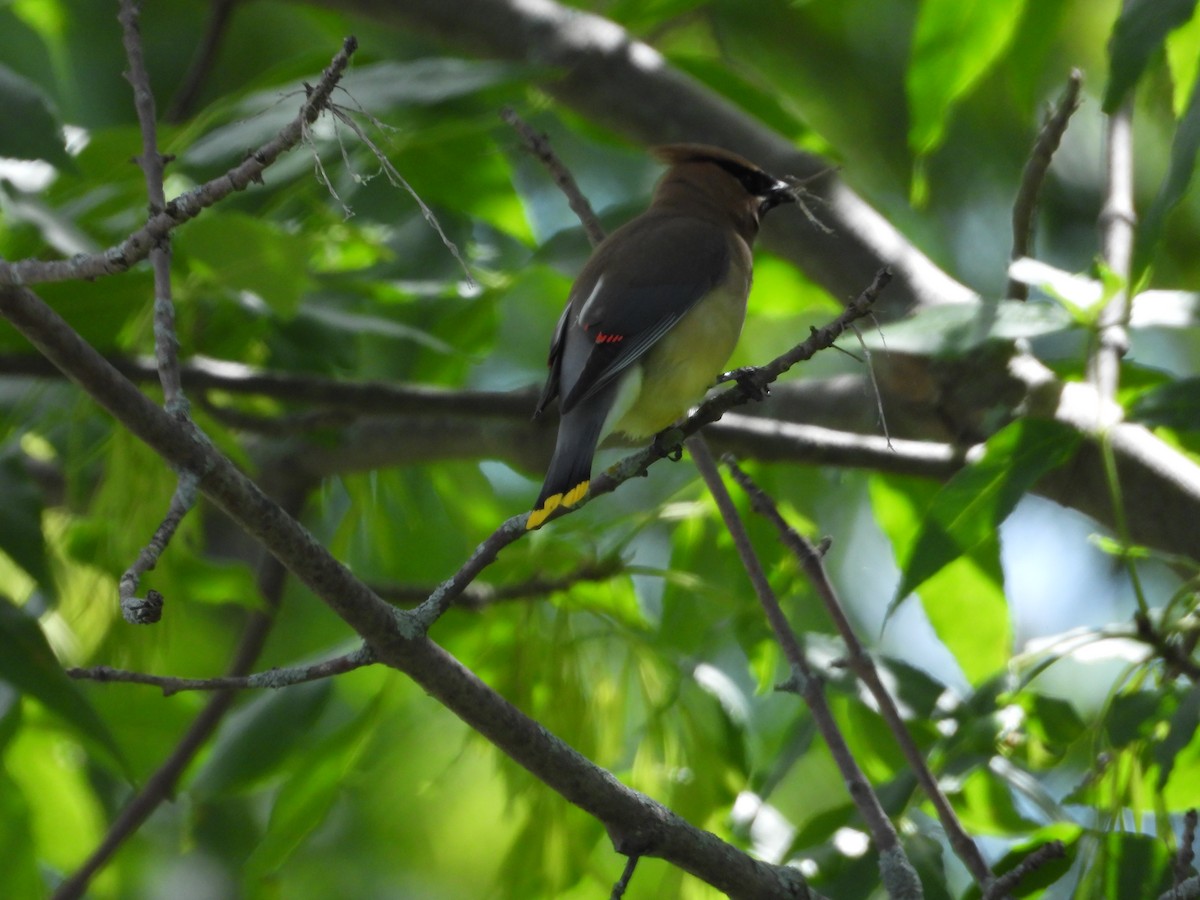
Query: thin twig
x=148 y=610
x=1034 y=175
x=271 y=678
x=619 y=888
x=134 y=609
x=477 y=596
x=1004 y=885
x=754 y=380
x=538 y=143
x=137 y=246
x=637 y=464
x=899 y=876
x=397 y=180
x=877 y=393
x=860 y=662
x=152 y=162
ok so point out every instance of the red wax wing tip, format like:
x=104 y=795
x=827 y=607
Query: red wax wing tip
x=603 y=338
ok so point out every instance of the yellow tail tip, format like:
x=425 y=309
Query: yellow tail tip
x=553 y=502
x=575 y=494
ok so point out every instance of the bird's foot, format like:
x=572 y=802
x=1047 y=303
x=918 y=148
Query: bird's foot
x=749 y=379
x=669 y=443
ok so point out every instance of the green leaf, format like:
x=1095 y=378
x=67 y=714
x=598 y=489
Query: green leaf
x=955 y=329
x=985 y=804
x=249 y=254
x=1052 y=720
x=1183 y=60
x=256 y=740
x=29 y=665
x=21 y=537
x=426 y=82
x=980 y=641
x=1175 y=404
x=376 y=88
x=1139 y=32
x=306 y=797
x=1179 y=176
x=1184 y=722
x=969 y=508
x=1133 y=866
x=18 y=850
x=967 y=608
x=927 y=856
x=1134 y=716
x=955 y=44
x=32 y=129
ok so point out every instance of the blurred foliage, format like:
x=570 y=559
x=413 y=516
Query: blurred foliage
x=361 y=787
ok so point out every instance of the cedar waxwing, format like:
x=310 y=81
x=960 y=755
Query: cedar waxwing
x=655 y=313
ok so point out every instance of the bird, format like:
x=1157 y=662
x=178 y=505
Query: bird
x=655 y=312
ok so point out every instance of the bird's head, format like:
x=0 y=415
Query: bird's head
x=720 y=179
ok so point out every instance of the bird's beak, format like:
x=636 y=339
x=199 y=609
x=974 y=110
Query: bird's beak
x=779 y=192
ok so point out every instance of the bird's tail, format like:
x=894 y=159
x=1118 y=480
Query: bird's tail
x=570 y=469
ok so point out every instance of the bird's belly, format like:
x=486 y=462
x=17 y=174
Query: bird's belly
x=678 y=370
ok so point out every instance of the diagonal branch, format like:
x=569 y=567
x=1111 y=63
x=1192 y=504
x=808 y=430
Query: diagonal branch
x=863 y=667
x=621 y=83
x=644 y=826
x=751 y=385
x=187 y=206
x=161 y=785
x=899 y=877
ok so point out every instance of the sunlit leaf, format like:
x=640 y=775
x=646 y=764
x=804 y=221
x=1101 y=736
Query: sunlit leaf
x=1139 y=33
x=986 y=805
x=955 y=44
x=21 y=520
x=964 y=601
x=30 y=666
x=970 y=507
x=1183 y=729
x=1183 y=165
x=954 y=329
x=1133 y=866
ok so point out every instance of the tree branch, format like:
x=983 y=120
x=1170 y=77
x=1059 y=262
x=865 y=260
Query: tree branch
x=539 y=145
x=863 y=667
x=899 y=877
x=396 y=637
x=1024 y=211
x=272 y=678
x=187 y=206
x=160 y=786
x=599 y=69
x=1118 y=221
